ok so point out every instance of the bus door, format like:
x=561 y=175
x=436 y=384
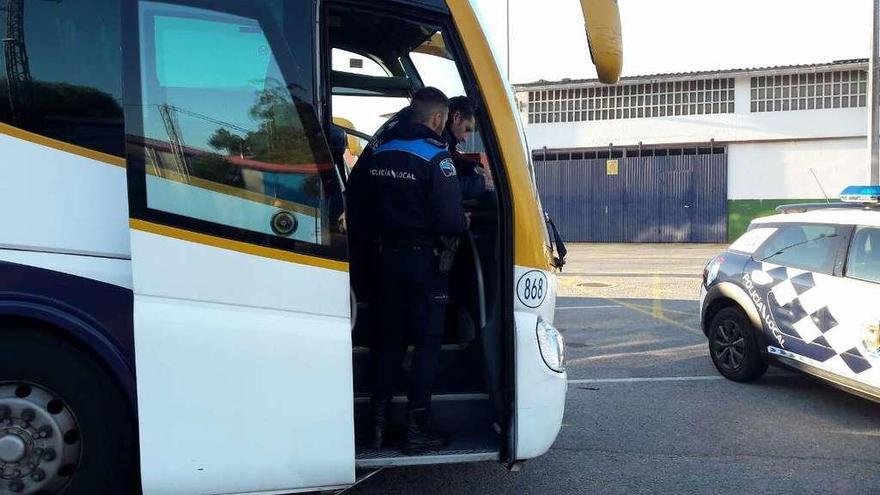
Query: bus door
x=241 y=288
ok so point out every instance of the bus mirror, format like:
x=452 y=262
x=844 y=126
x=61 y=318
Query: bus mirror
x=602 y=23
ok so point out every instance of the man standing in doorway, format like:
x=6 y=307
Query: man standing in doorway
x=459 y=126
x=409 y=191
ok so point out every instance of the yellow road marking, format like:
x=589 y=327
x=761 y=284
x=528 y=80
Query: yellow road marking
x=664 y=319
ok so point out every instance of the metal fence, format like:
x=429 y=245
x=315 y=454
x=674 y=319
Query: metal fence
x=637 y=199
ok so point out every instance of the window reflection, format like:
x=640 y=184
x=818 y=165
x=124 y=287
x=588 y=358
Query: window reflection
x=225 y=139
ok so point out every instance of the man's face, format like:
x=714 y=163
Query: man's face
x=461 y=127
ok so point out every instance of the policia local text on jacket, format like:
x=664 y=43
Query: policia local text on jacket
x=407 y=198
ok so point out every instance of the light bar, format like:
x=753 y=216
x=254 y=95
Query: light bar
x=861 y=194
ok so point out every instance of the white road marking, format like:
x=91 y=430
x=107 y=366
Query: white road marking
x=649 y=379
x=698 y=378
x=587 y=307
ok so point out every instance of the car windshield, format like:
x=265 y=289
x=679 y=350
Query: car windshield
x=784 y=249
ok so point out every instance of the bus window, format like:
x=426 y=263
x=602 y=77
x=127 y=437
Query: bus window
x=62 y=76
x=364 y=109
x=232 y=144
x=436 y=67
x=346 y=61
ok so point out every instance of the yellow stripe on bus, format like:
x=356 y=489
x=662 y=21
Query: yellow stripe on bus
x=238 y=246
x=61 y=145
x=530 y=249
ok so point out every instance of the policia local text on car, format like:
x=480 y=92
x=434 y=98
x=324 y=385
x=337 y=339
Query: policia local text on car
x=409 y=204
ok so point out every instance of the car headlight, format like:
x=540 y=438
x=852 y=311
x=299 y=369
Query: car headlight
x=552 y=346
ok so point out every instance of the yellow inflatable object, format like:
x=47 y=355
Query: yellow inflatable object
x=602 y=22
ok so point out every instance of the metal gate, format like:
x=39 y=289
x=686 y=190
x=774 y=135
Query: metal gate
x=649 y=199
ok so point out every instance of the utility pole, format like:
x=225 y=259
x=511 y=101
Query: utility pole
x=874 y=99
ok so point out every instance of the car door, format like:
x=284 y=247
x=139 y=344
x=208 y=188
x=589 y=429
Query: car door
x=793 y=272
x=854 y=302
x=241 y=288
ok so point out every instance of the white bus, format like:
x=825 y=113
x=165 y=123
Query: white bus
x=175 y=306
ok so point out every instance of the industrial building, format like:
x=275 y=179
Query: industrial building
x=693 y=157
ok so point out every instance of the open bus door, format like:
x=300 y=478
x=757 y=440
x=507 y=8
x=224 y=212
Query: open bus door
x=241 y=292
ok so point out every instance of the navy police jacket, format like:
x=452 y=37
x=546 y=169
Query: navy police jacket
x=405 y=186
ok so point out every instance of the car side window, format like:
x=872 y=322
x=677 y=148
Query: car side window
x=863 y=262
x=806 y=246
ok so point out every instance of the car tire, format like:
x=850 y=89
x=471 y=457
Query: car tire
x=46 y=382
x=733 y=346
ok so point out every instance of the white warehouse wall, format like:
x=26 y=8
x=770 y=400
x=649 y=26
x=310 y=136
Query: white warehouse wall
x=743 y=125
x=781 y=170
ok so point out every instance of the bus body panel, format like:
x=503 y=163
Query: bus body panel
x=540 y=391
x=260 y=352
x=243 y=356
x=63 y=202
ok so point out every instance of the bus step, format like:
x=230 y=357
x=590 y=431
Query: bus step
x=463 y=447
x=401 y=399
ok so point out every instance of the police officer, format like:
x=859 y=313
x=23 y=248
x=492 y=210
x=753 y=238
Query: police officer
x=459 y=126
x=410 y=204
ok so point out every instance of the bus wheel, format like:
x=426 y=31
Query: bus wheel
x=65 y=427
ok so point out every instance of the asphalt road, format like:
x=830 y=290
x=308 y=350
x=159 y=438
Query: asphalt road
x=647 y=413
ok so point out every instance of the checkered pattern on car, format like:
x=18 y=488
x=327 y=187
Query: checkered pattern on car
x=803 y=312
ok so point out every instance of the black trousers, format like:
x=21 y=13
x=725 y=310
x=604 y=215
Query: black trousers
x=413 y=296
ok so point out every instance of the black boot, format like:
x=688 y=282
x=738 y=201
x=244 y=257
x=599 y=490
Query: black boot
x=420 y=438
x=381 y=412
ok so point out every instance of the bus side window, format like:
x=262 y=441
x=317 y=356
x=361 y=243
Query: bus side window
x=364 y=111
x=63 y=75
x=226 y=134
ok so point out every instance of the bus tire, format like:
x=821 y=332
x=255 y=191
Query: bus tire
x=55 y=397
x=733 y=346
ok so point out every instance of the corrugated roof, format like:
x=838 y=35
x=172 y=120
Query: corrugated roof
x=849 y=64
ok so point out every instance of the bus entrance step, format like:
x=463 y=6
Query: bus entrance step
x=472 y=446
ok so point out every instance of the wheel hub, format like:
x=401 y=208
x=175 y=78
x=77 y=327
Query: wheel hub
x=39 y=440
x=12 y=448
x=729 y=345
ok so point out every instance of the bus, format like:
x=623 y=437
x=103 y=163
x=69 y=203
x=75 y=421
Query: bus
x=176 y=310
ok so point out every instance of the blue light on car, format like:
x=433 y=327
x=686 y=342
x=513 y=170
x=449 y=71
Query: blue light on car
x=861 y=194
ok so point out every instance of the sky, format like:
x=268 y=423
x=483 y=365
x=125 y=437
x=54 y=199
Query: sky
x=547 y=39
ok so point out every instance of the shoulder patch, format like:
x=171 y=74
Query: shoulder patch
x=436 y=142
x=447 y=167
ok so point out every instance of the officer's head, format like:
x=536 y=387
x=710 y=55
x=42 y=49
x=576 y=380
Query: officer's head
x=430 y=107
x=461 y=118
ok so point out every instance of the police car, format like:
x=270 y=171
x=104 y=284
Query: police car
x=801 y=289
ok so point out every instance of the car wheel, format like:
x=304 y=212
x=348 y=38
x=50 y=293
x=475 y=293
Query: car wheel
x=733 y=346
x=65 y=426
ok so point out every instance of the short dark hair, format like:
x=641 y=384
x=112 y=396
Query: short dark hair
x=426 y=102
x=462 y=105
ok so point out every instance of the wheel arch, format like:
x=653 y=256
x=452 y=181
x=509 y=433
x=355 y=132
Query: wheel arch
x=76 y=331
x=727 y=295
